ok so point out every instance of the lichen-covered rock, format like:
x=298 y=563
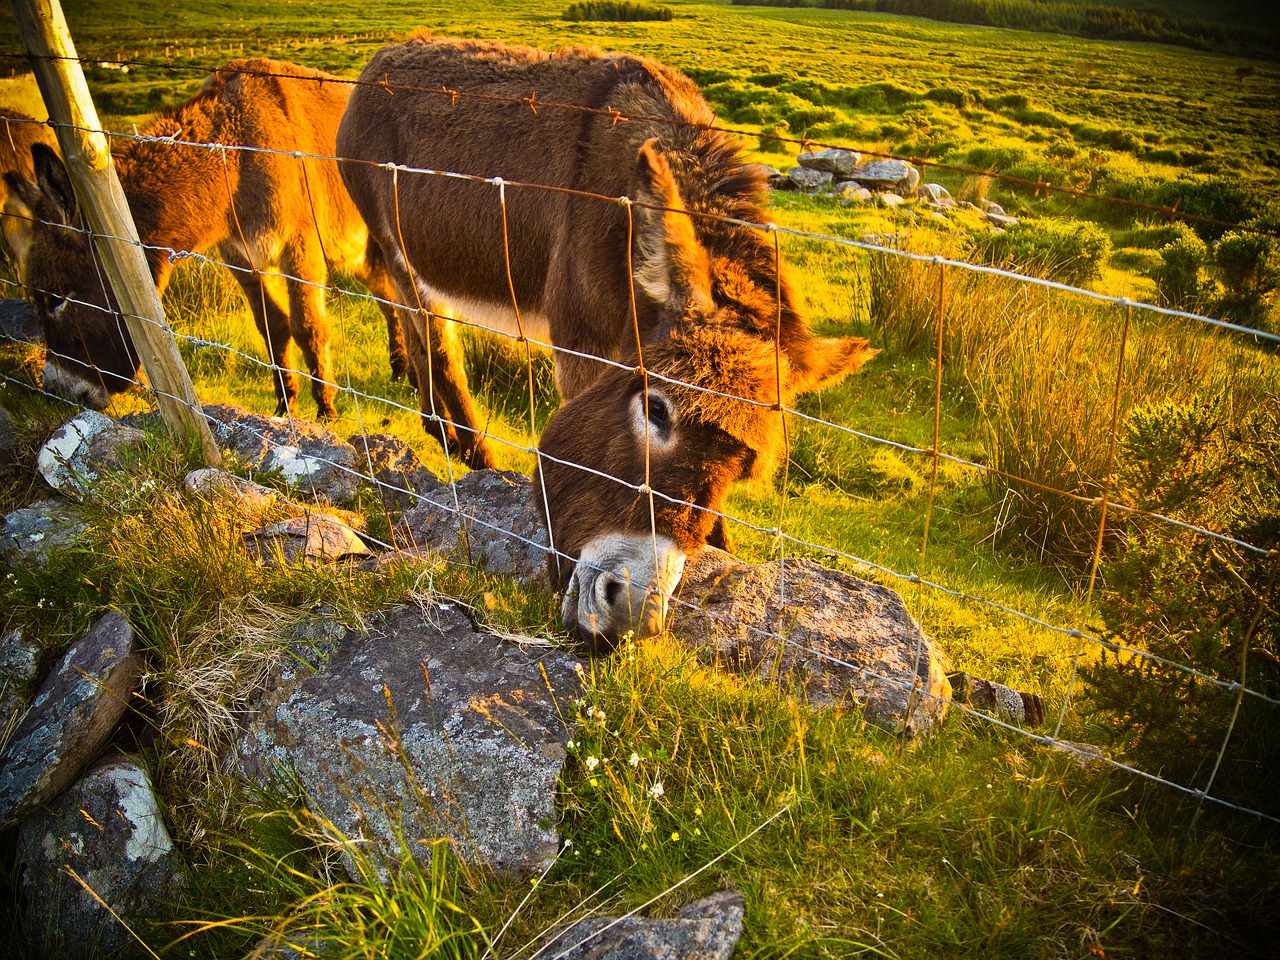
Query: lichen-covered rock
x=847 y=642
x=811 y=180
x=72 y=459
x=1001 y=220
x=840 y=163
x=30 y=535
x=310 y=458
x=936 y=194
x=70 y=718
x=851 y=192
x=890 y=200
x=896 y=175
x=489 y=518
x=707 y=929
x=19 y=664
x=398 y=474
x=108 y=829
x=309 y=537
x=212 y=483
x=419 y=729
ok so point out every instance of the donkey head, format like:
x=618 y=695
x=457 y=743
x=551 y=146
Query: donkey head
x=635 y=469
x=89 y=355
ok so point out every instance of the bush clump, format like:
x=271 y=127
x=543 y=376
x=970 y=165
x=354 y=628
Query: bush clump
x=616 y=11
x=1180 y=278
x=1196 y=601
x=1248 y=264
x=1070 y=251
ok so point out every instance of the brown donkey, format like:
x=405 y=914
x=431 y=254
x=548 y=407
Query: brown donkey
x=18 y=133
x=700 y=338
x=264 y=213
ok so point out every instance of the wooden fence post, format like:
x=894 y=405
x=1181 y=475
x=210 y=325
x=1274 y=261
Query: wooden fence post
x=87 y=153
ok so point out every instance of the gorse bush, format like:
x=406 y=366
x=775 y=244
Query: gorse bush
x=1180 y=278
x=617 y=11
x=1248 y=264
x=1195 y=600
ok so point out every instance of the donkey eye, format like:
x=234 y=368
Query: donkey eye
x=659 y=413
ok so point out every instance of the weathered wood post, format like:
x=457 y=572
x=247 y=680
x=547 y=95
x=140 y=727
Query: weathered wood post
x=87 y=153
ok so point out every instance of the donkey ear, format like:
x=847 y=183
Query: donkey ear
x=668 y=262
x=21 y=189
x=54 y=181
x=825 y=361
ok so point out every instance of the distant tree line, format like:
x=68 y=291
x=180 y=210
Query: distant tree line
x=612 y=10
x=1095 y=21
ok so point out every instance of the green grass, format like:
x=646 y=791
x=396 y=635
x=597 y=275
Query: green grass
x=973 y=843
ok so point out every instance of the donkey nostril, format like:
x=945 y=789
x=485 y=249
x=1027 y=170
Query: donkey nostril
x=612 y=591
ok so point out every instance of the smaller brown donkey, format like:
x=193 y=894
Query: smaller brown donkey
x=677 y=342
x=276 y=218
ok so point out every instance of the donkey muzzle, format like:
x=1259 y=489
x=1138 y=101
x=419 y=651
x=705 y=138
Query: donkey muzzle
x=621 y=586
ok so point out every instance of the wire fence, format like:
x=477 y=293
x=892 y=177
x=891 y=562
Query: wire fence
x=783 y=543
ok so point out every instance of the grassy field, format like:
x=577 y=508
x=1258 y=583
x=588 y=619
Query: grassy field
x=973 y=843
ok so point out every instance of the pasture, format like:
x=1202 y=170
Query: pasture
x=975 y=842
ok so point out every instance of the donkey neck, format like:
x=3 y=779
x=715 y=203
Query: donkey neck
x=179 y=194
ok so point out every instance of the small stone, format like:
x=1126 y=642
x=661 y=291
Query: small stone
x=810 y=180
x=887 y=175
x=936 y=194
x=312 y=536
x=212 y=483
x=850 y=192
x=1087 y=755
x=1002 y=220
x=707 y=929
x=990 y=206
x=1005 y=702
x=890 y=200
x=489 y=518
x=73 y=713
x=849 y=643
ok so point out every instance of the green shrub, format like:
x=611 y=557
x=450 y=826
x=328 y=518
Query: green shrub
x=1180 y=278
x=961 y=99
x=1195 y=600
x=1248 y=264
x=617 y=11
x=1072 y=251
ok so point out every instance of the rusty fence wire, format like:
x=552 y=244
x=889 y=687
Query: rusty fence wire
x=783 y=542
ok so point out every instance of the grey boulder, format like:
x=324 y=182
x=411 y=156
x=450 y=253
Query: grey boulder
x=108 y=829
x=71 y=461
x=73 y=713
x=707 y=929
x=422 y=729
x=845 y=642
x=896 y=175
x=30 y=535
x=839 y=163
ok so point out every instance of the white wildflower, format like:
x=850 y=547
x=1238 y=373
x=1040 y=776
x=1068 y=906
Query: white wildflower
x=656 y=790
x=634 y=760
x=592 y=762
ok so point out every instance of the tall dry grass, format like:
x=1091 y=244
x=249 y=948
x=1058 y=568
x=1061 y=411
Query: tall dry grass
x=1044 y=369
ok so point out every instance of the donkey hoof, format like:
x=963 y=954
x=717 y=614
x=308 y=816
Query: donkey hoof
x=326 y=414
x=282 y=409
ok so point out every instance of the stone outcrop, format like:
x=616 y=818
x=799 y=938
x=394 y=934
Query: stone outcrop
x=839 y=163
x=398 y=474
x=309 y=457
x=707 y=929
x=489 y=518
x=844 y=641
x=212 y=484
x=422 y=728
x=108 y=829
x=72 y=715
x=891 y=175
x=72 y=459
x=30 y=535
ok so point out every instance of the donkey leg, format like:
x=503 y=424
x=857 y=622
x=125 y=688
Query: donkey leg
x=374 y=276
x=451 y=384
x=302 y=260
x=441 y=378
x=272 y=320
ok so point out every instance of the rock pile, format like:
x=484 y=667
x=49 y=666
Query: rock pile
x=844 y=176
